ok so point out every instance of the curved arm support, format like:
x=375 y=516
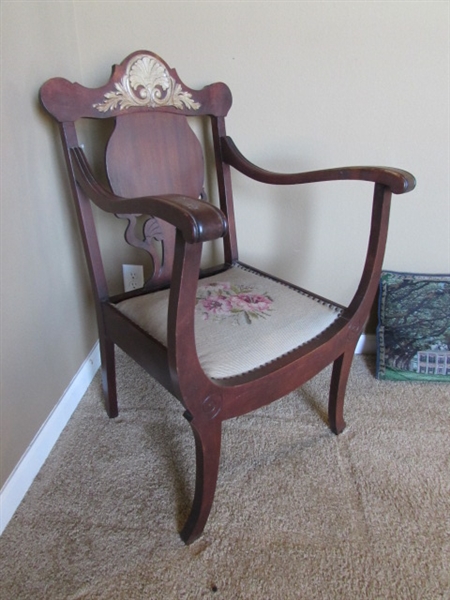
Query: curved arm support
x=197 y=220
x=368 y=285
x=397 y=180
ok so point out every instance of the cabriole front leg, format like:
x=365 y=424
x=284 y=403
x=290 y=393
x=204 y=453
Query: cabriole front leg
x=207 y=446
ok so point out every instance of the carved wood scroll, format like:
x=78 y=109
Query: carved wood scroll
x=146 y=235
x=146 y=83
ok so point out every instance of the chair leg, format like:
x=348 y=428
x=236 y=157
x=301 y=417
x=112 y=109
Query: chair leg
x=109 y=377
x=339 y=378
x=207 y=445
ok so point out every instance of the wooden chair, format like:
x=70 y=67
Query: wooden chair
x=228 y=339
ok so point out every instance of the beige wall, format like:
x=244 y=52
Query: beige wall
x=314 y=84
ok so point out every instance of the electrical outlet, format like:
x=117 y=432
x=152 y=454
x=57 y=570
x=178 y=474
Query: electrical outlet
x=133 y=277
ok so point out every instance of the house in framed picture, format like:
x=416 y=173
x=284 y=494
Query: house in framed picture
x=431 y=362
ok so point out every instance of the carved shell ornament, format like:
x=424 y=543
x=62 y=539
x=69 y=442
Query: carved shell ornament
x=146 y=83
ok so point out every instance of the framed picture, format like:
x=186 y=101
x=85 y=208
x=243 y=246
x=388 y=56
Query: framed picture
x=413 y=336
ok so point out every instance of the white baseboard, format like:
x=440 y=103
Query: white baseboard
x=367 y=344
x=31 y=462
x=28 y=467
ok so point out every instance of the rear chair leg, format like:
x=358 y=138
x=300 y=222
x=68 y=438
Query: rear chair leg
x=109 y=377
x=207 y=446
x=339 y=378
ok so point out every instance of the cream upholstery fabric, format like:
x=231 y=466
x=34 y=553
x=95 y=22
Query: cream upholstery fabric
x=242 y=320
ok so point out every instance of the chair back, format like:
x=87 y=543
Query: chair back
x=152 y=150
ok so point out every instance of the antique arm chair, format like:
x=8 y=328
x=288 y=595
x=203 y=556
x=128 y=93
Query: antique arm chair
x=181 y=326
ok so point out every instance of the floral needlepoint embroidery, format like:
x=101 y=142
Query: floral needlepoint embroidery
x=238 y=303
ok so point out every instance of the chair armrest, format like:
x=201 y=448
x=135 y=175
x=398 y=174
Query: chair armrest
x=197 y=220
x=397 y=180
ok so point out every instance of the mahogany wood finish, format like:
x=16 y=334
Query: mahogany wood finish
x=155 y=167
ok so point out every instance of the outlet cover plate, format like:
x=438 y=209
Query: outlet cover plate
x=133 y=277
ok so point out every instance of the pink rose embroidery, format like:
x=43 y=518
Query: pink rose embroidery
x=214 y=305
x=252 y=302
x=238 y=303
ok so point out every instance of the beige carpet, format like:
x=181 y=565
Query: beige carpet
x=299 y=512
